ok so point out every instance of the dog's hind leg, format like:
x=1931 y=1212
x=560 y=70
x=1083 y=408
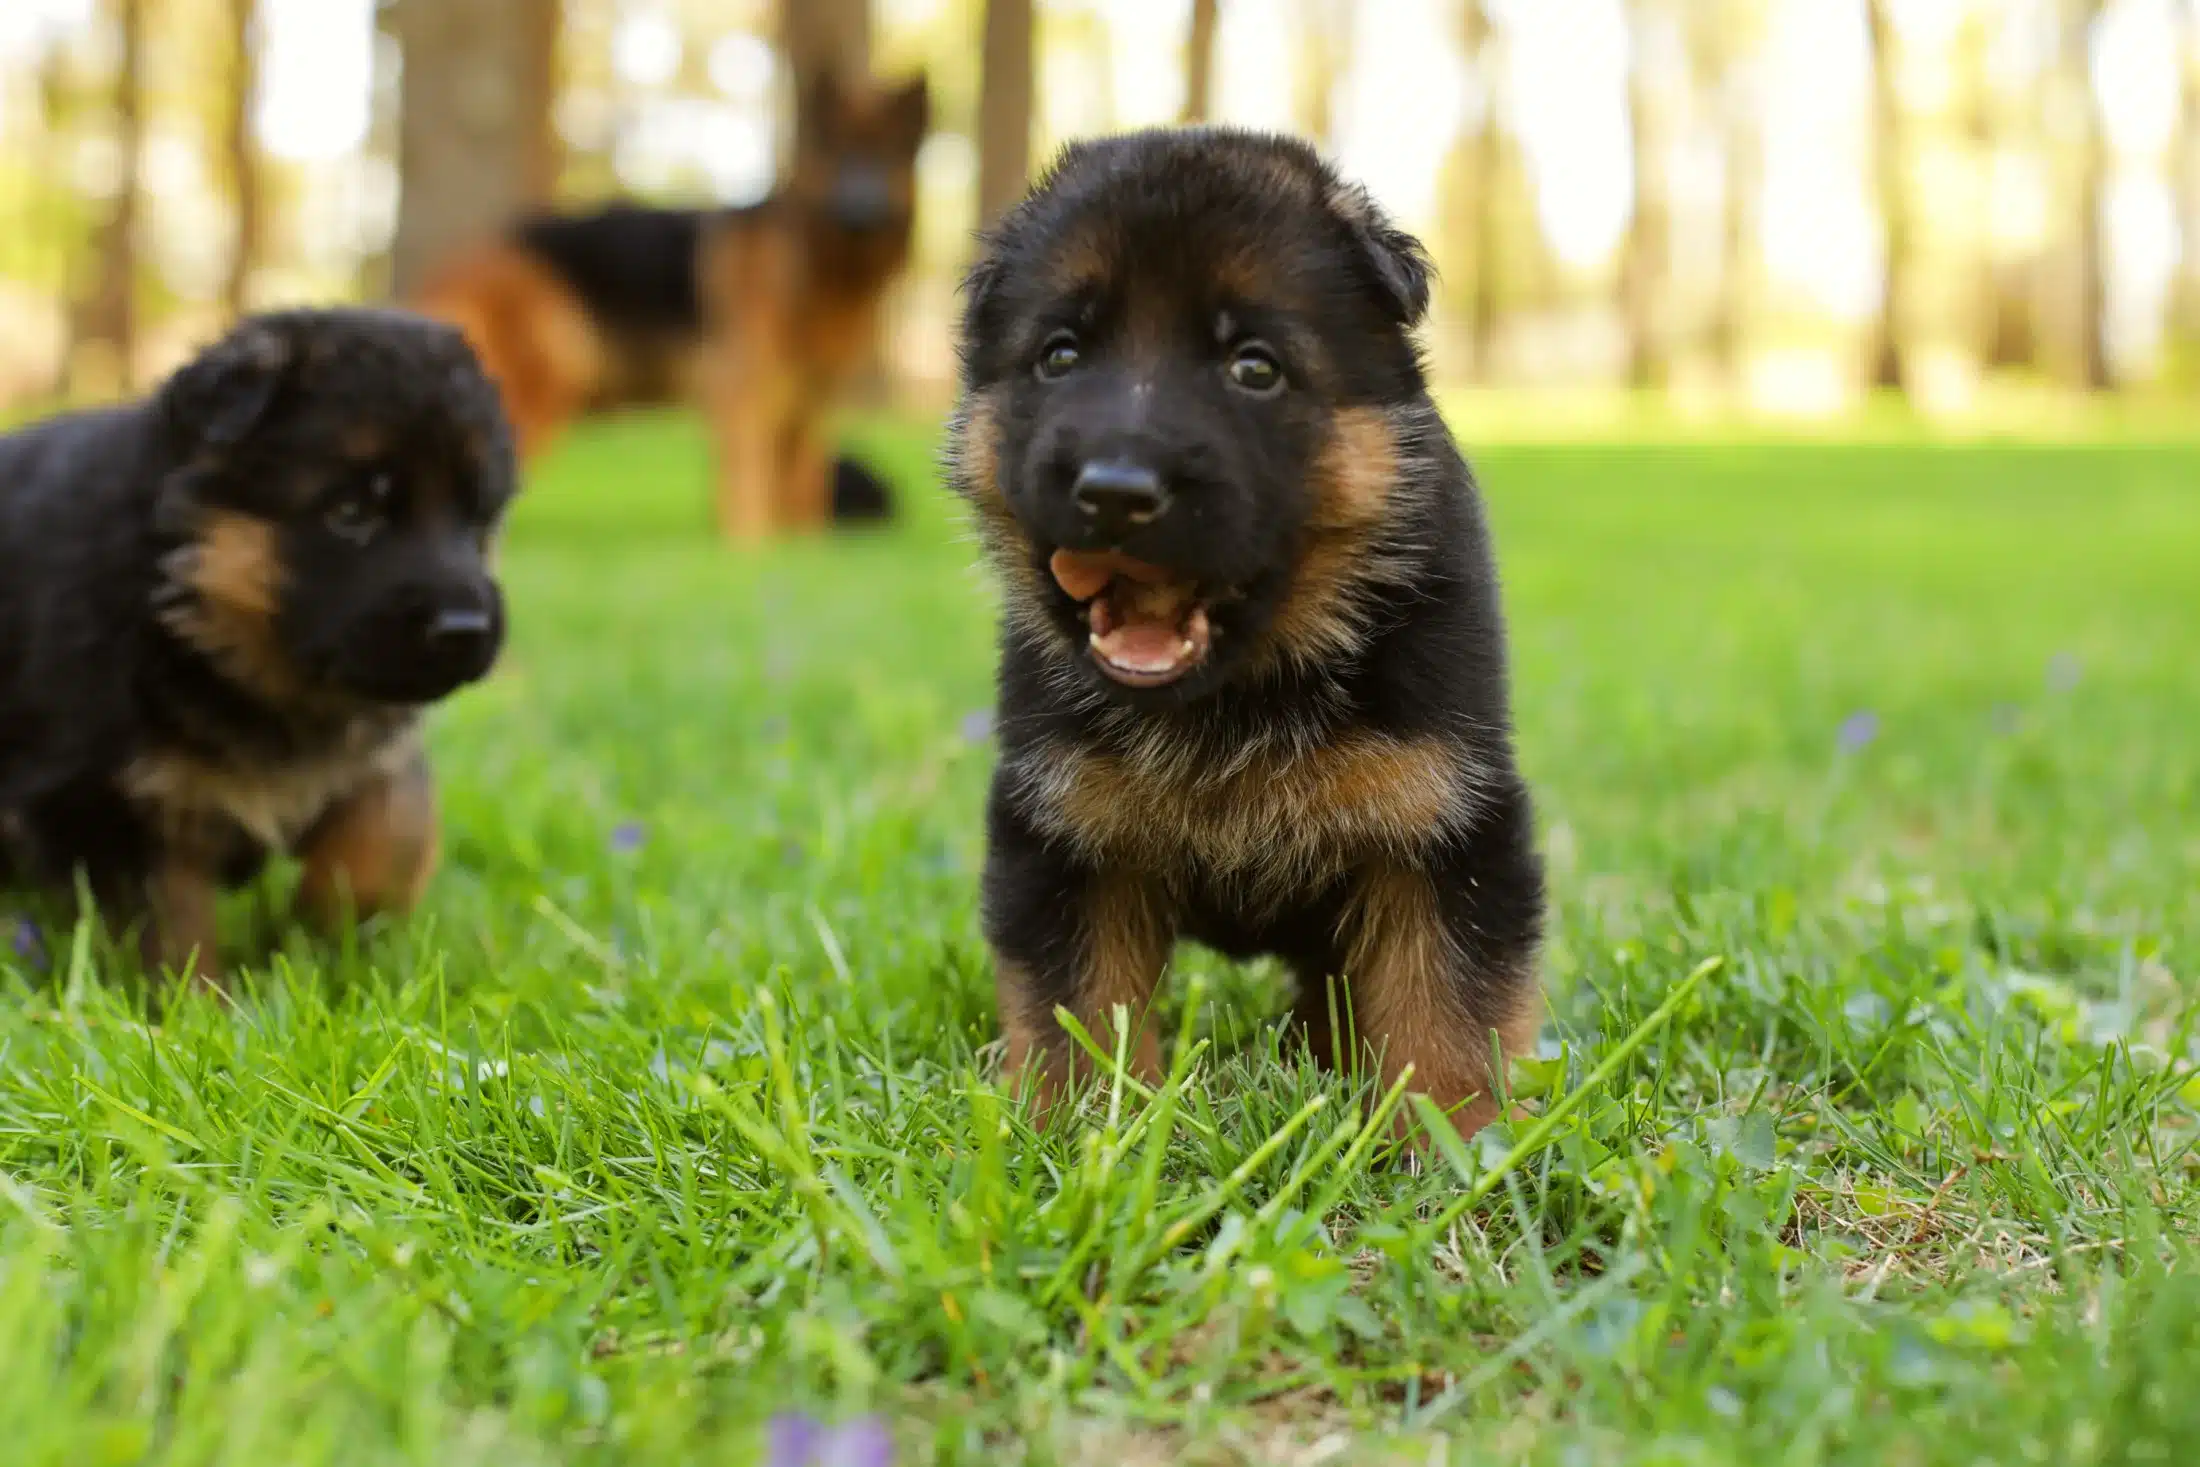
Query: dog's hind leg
x=804 y=493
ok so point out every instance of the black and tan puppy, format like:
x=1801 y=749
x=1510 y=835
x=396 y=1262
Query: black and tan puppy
x=1253 y=674
x=222 y=610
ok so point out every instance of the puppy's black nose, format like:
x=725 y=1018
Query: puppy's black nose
x=458 y=627
x=1116 y=496
x=462 y=639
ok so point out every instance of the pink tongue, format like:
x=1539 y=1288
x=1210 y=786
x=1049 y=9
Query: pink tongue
x=1142 y=646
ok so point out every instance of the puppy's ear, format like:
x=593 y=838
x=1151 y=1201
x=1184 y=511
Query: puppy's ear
x=221 y=396
x=1399 y=262
x=910 y=109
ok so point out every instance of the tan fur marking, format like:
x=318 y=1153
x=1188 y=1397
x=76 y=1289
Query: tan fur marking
x=273 y=805
x=1353 y=482
x=978 y=467
x=374 y=850
x=183 y=932
x=233 y=569
x=1126 y=943
x=1409 y=1003
x=1276 y=821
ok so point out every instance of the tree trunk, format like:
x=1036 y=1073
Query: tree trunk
x=474 y=138
x=1643 y=268
x=2186 y=156
x=1482 y=57
x=110 y=317
x=825 y=35
x=243 y=158
x=1890 y=155
x=2096 y=372
x=1199 y=61
x=1004 y=107
x=1325 y=46
x=1737 y=237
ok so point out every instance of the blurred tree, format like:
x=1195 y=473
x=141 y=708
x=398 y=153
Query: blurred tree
x=1004 y=107
x=1324 y=55
x=107 y=317
x=1643 y=266
x=475 y=143
x=819 y=35
x=1891 y=164
x=2185 y=157
x=241 y=156
x=1721 y=38
x=1479 y=192
x=2096 y=372
x=1199 y=61
x=2009 y=124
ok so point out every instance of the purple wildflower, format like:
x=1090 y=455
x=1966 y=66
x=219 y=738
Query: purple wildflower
x=774 y=727
x=1857 y=730
x=29 y=948
x=803 y=1441
x=627 y=836
x=2007 y=718
x=2063 y=671
x=977 y=725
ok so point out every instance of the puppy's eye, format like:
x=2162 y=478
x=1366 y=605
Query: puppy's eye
x=359 y=511
x=1254 y=369
x=1059 y=357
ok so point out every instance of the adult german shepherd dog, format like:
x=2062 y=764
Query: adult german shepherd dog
x=1253 y=686
x=762 y=315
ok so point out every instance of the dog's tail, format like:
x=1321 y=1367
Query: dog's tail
x=859 y=496
x=532 y=334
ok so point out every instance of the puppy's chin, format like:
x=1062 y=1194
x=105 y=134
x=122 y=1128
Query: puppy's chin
x=404 y=680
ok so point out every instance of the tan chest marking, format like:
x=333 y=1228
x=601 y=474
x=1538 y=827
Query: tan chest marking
x=273 y=805
x=1280 y=819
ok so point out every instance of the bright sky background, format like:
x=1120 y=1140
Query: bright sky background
x=1397 y=110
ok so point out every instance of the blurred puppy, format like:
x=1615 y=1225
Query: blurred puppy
x=1253 y=685
x=223 y=609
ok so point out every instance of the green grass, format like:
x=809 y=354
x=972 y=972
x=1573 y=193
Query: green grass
x=613 y=1152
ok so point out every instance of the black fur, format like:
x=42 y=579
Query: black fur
x=1165 y=256
x=366 y=453
x=633 y=266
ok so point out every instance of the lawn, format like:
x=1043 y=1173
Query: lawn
x=674 y=1108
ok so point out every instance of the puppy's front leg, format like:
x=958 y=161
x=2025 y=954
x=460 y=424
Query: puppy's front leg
x=1065 y=933
x=1434 y=972
x=374 y=850
x=182 y=928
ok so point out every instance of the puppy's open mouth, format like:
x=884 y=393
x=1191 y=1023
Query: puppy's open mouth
x=1147 y=628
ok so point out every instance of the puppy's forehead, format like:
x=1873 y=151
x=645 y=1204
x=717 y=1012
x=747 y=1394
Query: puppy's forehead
x=1193 y=224
x=389 y=382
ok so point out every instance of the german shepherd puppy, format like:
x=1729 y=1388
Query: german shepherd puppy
x=762 y=314
x=224 y=608
x=1252 y=684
